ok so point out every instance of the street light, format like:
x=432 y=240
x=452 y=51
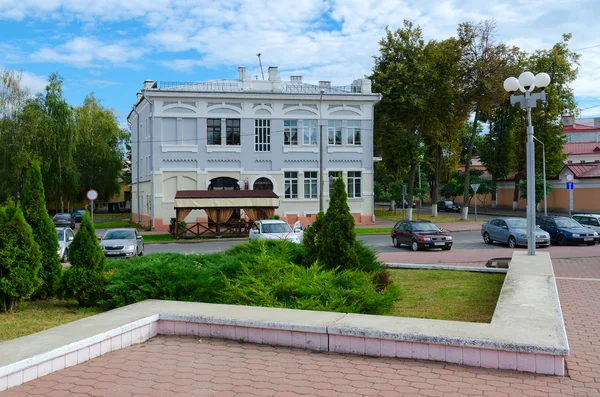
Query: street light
x=321 y=155
x=527 y=83
x=544 y=173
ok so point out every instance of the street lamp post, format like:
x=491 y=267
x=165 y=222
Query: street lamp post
x=527 y=83
x=543 y=174
x=321 y=157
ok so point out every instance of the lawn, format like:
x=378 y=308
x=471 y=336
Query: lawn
x=111 y=224
x=37 y=316
x=447 y=294
x=419 y=216
x=372 y=230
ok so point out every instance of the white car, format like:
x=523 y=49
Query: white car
x=65 y=238
x=273 y=229
x=591 y=221
x=125 y=242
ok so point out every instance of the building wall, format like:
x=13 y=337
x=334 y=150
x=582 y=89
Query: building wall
x=173 y=146
x=583 y=136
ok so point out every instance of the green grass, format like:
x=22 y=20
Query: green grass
x=418 y=216
x=373 y=230
x=447 y=294
x=122 y=215
x=32 y=317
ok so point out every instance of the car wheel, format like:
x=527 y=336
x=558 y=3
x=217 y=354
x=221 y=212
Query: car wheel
x=561 y=240
x=512 y=242
x=142 y=251
x=65 y=257
x=487 y=239
x=415 y=247
x=396 y=242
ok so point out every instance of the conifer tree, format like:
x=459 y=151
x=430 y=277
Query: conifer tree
x=84 y=281
x=19 y=258
x=44 y=232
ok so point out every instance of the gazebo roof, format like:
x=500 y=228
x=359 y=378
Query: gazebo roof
x=200 y=199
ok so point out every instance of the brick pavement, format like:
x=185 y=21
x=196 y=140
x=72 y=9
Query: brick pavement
x=187 y=366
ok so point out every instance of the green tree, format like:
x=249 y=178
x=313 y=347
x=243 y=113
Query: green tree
x=44 y=232
x=310 y=241
x=84 y=280
x=99 y=152
x=19 y=258
x=539 y=188
x=337 y=237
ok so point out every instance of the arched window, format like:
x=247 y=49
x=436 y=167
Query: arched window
x=263 y=184
x=223 y=183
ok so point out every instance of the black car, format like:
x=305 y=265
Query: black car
x=564 y=230
x=448 y=205
x=76 y=215
x=419 y=235
x=63 y=220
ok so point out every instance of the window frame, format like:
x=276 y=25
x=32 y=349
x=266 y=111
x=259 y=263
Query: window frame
x=313 y=185
x=290 y=178
x=333 y=127
x=262 y=135
x=213 y=127
x=230 y=129
x=336 y=175
x=356 y=179
x=310 y=131
x=352 y=132
x=289 y=129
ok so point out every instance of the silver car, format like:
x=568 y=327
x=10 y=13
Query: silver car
x=125 y=242
x=512 y=231
x=591 y=221
x=276 y=230
x=65 y=238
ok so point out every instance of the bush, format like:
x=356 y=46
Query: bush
x=44 y=232
x=336 y=239
x=271 y=283
x=84 y=280
x=19 y=258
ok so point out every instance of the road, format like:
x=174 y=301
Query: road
x=379 y=242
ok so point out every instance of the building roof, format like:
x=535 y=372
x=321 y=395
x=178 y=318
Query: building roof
x=579 y=127
x=582 y=148
x=225 y=194
x=584 y=170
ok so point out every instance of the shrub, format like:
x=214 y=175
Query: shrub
x=84 y=280
x=271 y=283
x=336 y=239
x=44 y=232
x=367 y=258
x=19 y=258
x=310 y=240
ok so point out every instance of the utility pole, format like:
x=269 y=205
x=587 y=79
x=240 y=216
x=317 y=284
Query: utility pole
x=321 y=158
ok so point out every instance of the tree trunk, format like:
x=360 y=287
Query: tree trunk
x=411 y=191
x=465 y=209
x=495 y=191
x=516 y=193
x=436 y=181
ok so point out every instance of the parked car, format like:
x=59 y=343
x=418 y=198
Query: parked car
x=564 y=230
x=591 y=221
x=273 y=229
x=448 y=205
x=399 y=204
x=512 y=231
x=76 y=215
x=419 y=235
x=64 y=220
x=126 y=242
x=65 y=238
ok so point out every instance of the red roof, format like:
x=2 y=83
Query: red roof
x=581 y=148
x=579 y=127
x=584 y=170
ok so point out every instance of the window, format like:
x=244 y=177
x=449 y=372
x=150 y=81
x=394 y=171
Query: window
x=354 y=190
x=232 y=131
x=310 y=184
x=263 y=184
x=290 y=182
x=333 y=175
x=262 y=135
x=354 y=132
x=223 y=183
x=290 y=132
x=309 y=132
x=213 y=131
x=334 y=132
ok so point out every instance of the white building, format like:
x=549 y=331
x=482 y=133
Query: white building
x=251 y=134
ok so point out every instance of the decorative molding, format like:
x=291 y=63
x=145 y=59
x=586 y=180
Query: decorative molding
x=213 y=104
x=178 y=160
x=344 y=149
x=290 y=105
x=167 y=103
x=334 y=107
x=262 y=161
x=223 y=149
x=179 y=148
x=189 y=103
x=235 y=104
x=301 y=149
x=310 y=105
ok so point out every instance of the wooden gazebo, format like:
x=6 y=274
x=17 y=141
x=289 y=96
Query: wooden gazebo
x=220 y=205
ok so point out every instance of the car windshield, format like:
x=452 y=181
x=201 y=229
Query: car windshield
x=517 y=223
x=61 y=235
x=424 y=227
x=62 y=216
x=119 y=235
x=276 y=228
x=449 y=202
x=567 y=223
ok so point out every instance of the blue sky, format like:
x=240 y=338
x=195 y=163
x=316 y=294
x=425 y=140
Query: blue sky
x=110 y=47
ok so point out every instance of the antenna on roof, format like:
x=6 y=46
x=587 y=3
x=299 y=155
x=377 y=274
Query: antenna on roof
x=260 y=63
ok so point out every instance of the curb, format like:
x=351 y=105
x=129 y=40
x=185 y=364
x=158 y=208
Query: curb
x=186 y=241
x=444 y=267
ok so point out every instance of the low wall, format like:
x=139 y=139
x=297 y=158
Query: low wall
x=526 y=332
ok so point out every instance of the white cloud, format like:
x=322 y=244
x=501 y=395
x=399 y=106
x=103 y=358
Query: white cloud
x=34 y=83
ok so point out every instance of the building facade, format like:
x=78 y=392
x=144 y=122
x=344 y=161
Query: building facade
x=251 y=134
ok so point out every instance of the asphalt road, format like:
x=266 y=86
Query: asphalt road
x=379 y=242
